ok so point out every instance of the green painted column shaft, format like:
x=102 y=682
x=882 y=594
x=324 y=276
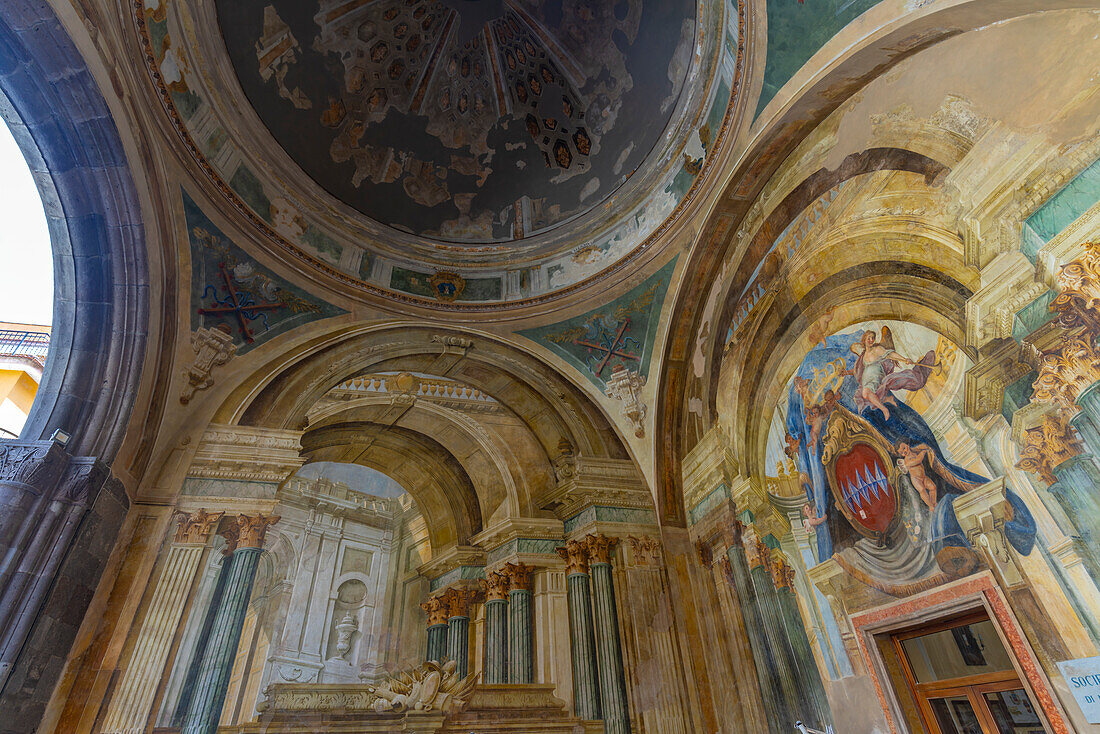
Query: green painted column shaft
x=809 y=677
x=766 y=670
x=521 y=660
x=793 y=703
x=586 y=685
x=212 y=682
x=1087 y=422
x=496 y=641
x=1078 y=491
x=437 y=642
x=458 y=644
x=609 y=652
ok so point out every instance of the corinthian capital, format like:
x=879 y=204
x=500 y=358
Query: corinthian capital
x=195 y=527
x=575 y=555
x=1065 y=373
x=436 y=608
x=247 y=531
x=1078 y=284
x=600 y=547
x=1048 y=446
x=519 y=576
x=495 y=585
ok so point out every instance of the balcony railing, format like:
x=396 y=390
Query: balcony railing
x=32 y=345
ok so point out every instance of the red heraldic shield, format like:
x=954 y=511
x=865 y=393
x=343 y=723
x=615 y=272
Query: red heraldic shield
x=864 y=489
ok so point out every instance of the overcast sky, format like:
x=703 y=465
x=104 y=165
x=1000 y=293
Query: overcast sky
x=26 y=265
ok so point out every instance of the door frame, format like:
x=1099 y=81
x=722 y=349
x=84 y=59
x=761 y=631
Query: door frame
x=971 y=594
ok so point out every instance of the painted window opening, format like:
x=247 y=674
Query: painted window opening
x=26 y=287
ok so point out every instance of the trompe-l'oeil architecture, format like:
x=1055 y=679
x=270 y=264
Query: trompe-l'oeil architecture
x=451 y=366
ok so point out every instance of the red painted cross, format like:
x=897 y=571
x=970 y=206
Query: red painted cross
x=611 y=347
x=237 y=305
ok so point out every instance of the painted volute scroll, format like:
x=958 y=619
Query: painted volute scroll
x=557 y=366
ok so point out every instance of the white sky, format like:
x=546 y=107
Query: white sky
x=26 y=262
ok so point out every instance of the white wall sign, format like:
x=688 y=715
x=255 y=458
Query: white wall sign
x=1083 y=678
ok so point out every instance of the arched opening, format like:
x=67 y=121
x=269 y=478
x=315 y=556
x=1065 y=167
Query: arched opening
x=26 y=287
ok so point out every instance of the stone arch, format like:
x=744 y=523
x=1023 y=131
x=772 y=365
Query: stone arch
x=59 y=117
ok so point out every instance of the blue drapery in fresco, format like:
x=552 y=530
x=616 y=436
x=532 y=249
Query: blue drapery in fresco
x=905 y=424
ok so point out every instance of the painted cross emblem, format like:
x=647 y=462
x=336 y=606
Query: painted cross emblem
x=604 y=344
x=241 y=305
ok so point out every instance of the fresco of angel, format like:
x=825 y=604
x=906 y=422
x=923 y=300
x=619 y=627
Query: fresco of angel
x=876 y=371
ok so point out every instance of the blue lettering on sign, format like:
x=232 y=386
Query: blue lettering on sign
x=1083 y=677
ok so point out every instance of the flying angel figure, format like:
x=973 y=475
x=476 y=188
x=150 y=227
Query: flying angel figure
x=877 y=372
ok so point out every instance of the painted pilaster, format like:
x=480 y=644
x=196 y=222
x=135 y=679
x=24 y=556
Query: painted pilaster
x=245 y=536
x=521 y=660
x=609 y=654
x=495 y=586
x=436 y=608
x=586 y=685
x=458 y=628
x=133 y=698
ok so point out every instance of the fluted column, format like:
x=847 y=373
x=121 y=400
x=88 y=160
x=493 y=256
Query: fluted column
x=133 y=698
x=760 y=569
x=245 y=536
x=458 y=628
x=495 y=586
x=613 y=699
x=582 y=640
x=436 y=607
x=809 y=677
x=521 y=660
x=754 y=628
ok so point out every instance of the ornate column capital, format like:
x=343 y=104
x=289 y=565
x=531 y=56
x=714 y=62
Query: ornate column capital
x=1066 y=372
x=1048 y=446
x=458 y=601
x=646 y=550
x=247 y=531
x=195 y=527
x=781 y=572
x=1078 y=284
x=519 y=576
x=575 y=555
x=495 y=585
x=35 y=463
x=600 y=547
x=437 y=609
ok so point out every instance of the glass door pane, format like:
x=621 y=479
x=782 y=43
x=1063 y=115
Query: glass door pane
x=955 y=715
x=1013 y=713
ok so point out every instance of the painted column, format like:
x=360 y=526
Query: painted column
x=133 y=698
x=766 y=671
x=436 y=607
x=1087 y=422
x=495 y=586
x=521 y=660
x=458 y=628
x=809 y=677
x=609 y=654
x=760 y=569
x=586 y=686
x=245 y=536
x=1052 y=451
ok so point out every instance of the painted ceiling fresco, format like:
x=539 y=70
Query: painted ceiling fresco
x=879 y=485
x=463 y=121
